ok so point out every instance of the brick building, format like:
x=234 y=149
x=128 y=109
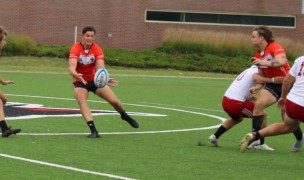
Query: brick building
x=125 y=24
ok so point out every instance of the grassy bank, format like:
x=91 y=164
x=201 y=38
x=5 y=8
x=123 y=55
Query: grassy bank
x=181 y=50
x=59 y=65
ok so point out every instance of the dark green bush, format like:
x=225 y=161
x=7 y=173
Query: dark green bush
x=52 y=51
x=19 y=45
x=173 y=59
x=170 y=55
x=181 y=47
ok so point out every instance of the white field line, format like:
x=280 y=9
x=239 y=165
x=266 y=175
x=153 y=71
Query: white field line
x=65 y=167
x=139 y=105
x=123 y=75
x=120 y=133
x=99 y=173
x=188 y=107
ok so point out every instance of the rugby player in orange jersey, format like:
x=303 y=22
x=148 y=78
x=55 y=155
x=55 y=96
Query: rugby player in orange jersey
x=85 y=58
x=6 y=131
x=272 y=62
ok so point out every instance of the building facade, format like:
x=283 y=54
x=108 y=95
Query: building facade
x=137 y=24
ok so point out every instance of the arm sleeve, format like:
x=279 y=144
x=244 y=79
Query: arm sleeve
x=278 y=50
x=74 y=53
x=99 y=54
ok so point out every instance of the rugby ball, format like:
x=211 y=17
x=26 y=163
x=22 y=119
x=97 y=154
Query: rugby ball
x=101 y=78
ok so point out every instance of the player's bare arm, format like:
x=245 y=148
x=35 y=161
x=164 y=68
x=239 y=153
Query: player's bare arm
x=278 y=61
x=6 y=82
x=277 y=80
x=259 y=79
x=255 y=89
x=73 y=72
x=100 y=64
x=287 y=83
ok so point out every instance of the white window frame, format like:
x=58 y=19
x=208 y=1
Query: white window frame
x=220 y=13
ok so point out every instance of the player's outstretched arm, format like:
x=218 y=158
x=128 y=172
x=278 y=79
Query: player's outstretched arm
x=264 y=80
x=278 y=61
x=73 y=72
x=112 y=82
x=6 y=82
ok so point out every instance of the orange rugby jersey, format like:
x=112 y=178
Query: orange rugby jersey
x=86 y=61
x=273 y=49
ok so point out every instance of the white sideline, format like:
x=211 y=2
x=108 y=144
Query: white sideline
x=125 y=75
x=65 y=167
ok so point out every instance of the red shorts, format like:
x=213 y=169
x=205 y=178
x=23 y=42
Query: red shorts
x=237 y=109
x=294 y=111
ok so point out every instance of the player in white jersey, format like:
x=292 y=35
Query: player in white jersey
x=238 y=100
x=293 y=103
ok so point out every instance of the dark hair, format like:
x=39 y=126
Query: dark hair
x=3 y=32
x=265 y=32
x=88 y=28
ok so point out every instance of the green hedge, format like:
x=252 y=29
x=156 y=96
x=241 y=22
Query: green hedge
x=19 y=45
x=155 y=58
x=52 y=51
x=181 y=47
x=170 y=55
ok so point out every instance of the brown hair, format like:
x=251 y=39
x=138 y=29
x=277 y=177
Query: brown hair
x=265 y=32
x=3 y=32
x=88 y=28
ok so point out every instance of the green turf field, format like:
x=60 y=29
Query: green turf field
x=187 y=109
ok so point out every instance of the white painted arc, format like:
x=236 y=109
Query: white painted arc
x=139 y=105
